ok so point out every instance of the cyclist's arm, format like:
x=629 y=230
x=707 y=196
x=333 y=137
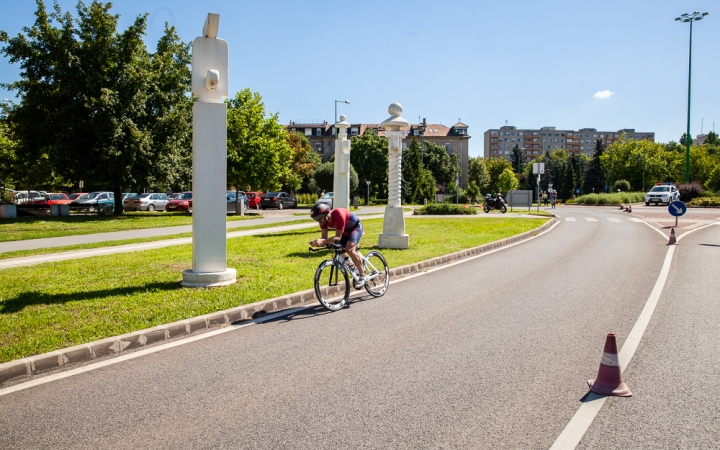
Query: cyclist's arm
x=325 y=239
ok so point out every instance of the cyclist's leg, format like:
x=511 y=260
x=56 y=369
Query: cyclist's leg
x=350 y=244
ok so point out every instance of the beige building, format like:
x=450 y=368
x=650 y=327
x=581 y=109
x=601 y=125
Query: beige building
x=454 y=138
x=500 y=142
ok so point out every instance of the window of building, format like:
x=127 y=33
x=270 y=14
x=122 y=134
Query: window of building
x=319 y=132
x=448 y=147
x=308 y=131
x=354 y=131
x=318 y=147
x=404 y=145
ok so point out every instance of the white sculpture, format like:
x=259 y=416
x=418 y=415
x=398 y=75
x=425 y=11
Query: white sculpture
x=393 y=235
x=210 y=85
x=341 y=180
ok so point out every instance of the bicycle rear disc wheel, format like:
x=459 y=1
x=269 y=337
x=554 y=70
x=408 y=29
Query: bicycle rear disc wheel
x=332 y=285
x=377 y=274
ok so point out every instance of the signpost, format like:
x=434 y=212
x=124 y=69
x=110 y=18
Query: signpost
x=538 y=169
x=677 y=209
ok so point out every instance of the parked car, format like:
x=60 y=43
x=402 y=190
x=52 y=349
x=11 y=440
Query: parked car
x=182 y=203
x=76 y=195
x=149 y=201
x=53 y=198
x=662 y=193
x=231 y=200
x=20 y=197
x=95 y=201
x=278 y=200
x=128 y=194
x=174 y=195
x=254 y=199
x=327 y=199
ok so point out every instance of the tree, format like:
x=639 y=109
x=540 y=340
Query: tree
x=325 y=177
x=594 y=175
x=369 y=153
x=683 y=139
x=93 y=99
x=437 y=160
x=478 y=173
x=517 y=158
x=507 y=181
x=418 y=182
x=712 y=139
x=304 y=161
x=495 y=168
x=259 y=156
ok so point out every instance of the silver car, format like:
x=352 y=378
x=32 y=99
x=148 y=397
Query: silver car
x=146 y=202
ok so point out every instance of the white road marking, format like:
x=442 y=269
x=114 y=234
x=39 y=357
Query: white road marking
x=591 y=219
x=583 y=418
x=635 y=219
x=569 y=219
x=613 y=219
x=179 y=342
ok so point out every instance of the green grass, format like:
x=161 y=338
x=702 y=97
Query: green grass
x=609 y=199
x=57 y=305
x=24 y=228
x=68 y=248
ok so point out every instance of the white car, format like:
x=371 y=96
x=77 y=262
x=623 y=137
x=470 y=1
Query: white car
x=666 y=194
x=327 y=199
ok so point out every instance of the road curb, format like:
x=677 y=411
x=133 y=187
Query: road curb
x=119 y=345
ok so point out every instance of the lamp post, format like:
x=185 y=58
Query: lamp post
x=367 y=201
x=694 y=17
x=336 y=102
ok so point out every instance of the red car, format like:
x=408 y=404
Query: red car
x=182 y=203
x=54 y=199
x=254 y=199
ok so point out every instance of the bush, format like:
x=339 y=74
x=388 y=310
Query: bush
x=704 y=201
x=689 y=191
x=444 y=209
x=307 y=199
x=622 y=185
x=618 y=198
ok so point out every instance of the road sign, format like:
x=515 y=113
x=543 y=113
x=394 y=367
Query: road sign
x=677 y=208
x=538 y=168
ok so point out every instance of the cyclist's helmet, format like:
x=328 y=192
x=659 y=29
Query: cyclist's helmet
x=319 y=211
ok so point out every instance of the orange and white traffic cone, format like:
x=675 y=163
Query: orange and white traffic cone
x=609 y=379
x=672 y=240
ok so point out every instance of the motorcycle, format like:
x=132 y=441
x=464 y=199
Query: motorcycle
x=494 y=203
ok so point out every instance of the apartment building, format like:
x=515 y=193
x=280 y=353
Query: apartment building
x=500 y=142
x=321 y=135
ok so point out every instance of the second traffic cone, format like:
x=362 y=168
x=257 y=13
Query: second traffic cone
x=672 y=240
x=609 y=379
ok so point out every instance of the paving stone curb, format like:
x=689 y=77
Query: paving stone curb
x=119 y=345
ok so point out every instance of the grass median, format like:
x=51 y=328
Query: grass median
x=57 y=305
x=24 y=228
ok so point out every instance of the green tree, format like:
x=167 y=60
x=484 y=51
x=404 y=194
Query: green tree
x=325 y=177
x=478 y=173
x=369 y=153
x=517 y=158
x=495 y=168
x=259 y=156
x=712 y=139
x=305 y=160
x=443 y=165
x=594 y=174
x=473 y=191
x=507 y=181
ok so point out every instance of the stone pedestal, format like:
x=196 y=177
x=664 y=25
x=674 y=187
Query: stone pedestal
x=393 y=235
x=210 y=85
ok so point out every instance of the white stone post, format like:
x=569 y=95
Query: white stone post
x=393 y=235
x=341 y=179
x=210 y=85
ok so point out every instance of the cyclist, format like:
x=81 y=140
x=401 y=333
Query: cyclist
x=348 y=230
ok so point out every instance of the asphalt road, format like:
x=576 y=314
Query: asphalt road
x=493 y=352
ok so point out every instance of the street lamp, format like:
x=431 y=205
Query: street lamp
x=367 y=202
x=694 y=17
x=336 y=102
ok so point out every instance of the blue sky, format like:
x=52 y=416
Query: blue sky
x=531 y=63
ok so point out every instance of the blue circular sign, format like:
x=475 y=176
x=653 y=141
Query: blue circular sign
x=677 y=208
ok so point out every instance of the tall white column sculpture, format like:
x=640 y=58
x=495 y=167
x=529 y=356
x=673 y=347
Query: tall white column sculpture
x=341 y=180
x=210 y=86
x=393 y=235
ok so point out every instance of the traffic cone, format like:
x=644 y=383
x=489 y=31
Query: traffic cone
x=672 y=240
x=609 y=379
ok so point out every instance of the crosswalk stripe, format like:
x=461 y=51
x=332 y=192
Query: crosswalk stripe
x=635 y=219
x=613 y=219
x=591 y=219
x=569 y=219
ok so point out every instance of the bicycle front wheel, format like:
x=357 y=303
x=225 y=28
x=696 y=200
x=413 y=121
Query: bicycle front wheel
x=377 y=274
x=332 y=285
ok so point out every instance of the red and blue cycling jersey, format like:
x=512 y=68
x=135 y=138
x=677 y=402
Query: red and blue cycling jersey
x=342 y=219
